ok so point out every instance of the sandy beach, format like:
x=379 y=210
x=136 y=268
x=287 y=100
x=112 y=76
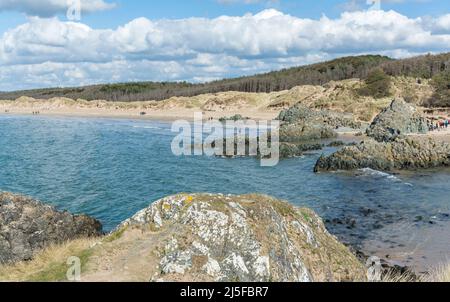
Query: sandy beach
x=216 y=106
x=165 y=115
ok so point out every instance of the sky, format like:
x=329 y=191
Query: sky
x=56 y=43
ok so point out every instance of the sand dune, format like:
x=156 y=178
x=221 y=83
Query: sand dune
x=339 y=96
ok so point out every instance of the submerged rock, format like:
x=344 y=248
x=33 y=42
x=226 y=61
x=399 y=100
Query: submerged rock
x=300 y=129
x=400 y=154
x=205 y=237
x=27 y=226
x=398 y=119
x=293 y=150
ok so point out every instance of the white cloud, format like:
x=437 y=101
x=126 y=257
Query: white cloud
x=45 y=52
x=48 y=8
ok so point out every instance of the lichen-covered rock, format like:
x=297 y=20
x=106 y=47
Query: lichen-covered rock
x=400 y=154
x=206 y=237
x=27 y=226
x=398 y=119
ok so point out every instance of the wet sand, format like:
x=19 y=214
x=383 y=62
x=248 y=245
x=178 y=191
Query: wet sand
x=420 y=248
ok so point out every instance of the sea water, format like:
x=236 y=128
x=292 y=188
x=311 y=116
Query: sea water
x=112 y=168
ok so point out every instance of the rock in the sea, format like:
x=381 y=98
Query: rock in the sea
x=301 y=123
x=400 y=154
x=288 y=150
x=206 y=237
x=27 y=226
x=398 y=119
x=305 y=131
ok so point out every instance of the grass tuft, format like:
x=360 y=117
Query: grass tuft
x=50 y=264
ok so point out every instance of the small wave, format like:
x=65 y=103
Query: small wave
x=148 y=127
x=372 y=172
x=380 y=174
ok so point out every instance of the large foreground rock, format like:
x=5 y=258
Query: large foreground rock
x=27 y=226
x=205 y=237
x=398 y=119
x=401 y=153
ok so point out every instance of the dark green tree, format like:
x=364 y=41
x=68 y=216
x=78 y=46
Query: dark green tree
x=441 y=84
x=377 y=84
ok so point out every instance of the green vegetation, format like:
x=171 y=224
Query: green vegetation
x=51 y=263
x=424 y=67
x=317 y=74
x=441 y=84
x=377 y=84
x=115 y=236
x=56 y=271
x=233 y=118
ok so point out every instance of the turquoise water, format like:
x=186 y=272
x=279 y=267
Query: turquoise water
x=111 y=168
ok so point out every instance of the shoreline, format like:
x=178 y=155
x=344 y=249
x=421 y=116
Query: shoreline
x=153 y=115
x=169 y=115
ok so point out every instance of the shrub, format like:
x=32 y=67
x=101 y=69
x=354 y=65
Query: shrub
x=441 y=84
x=377 y=84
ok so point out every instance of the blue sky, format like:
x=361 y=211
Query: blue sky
x=118 y=40
x=127 y=10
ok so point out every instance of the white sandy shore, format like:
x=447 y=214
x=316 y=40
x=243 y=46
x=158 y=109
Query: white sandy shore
x=167 y=114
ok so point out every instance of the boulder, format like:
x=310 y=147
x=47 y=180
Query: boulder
x=300 y=132
x=400 y=154
x=288 y=150
x=301 y=123
x=398 y=119
x=215 y=237
x=27 y=226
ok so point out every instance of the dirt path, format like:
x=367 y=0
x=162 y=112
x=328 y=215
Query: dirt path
x=130 y=258
x=442 y=135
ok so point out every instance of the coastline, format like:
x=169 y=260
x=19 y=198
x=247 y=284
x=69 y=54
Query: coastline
x=171 y=114
x=156 y=115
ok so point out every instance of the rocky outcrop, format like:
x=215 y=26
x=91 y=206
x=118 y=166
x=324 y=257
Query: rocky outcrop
x=303 y=132
x=27 y=226
x=398 y=119
x=301 y=126
x=288 y=150
x=302 y=113
x=400 y=154
x=206 y=237
x=300 y=129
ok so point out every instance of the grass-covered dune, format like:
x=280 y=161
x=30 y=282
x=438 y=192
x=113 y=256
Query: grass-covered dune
x=425 y=67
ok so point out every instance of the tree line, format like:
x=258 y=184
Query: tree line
x=427 y=66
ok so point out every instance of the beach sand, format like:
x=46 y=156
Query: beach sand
x=151 y=114
x=421 y=249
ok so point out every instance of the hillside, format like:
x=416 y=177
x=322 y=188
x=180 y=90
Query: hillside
x=424 y=67
x=340 y=96
x=316 y=74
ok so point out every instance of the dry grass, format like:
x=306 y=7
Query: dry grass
x=50 y=264
x=392 y=277
x=441 y=274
